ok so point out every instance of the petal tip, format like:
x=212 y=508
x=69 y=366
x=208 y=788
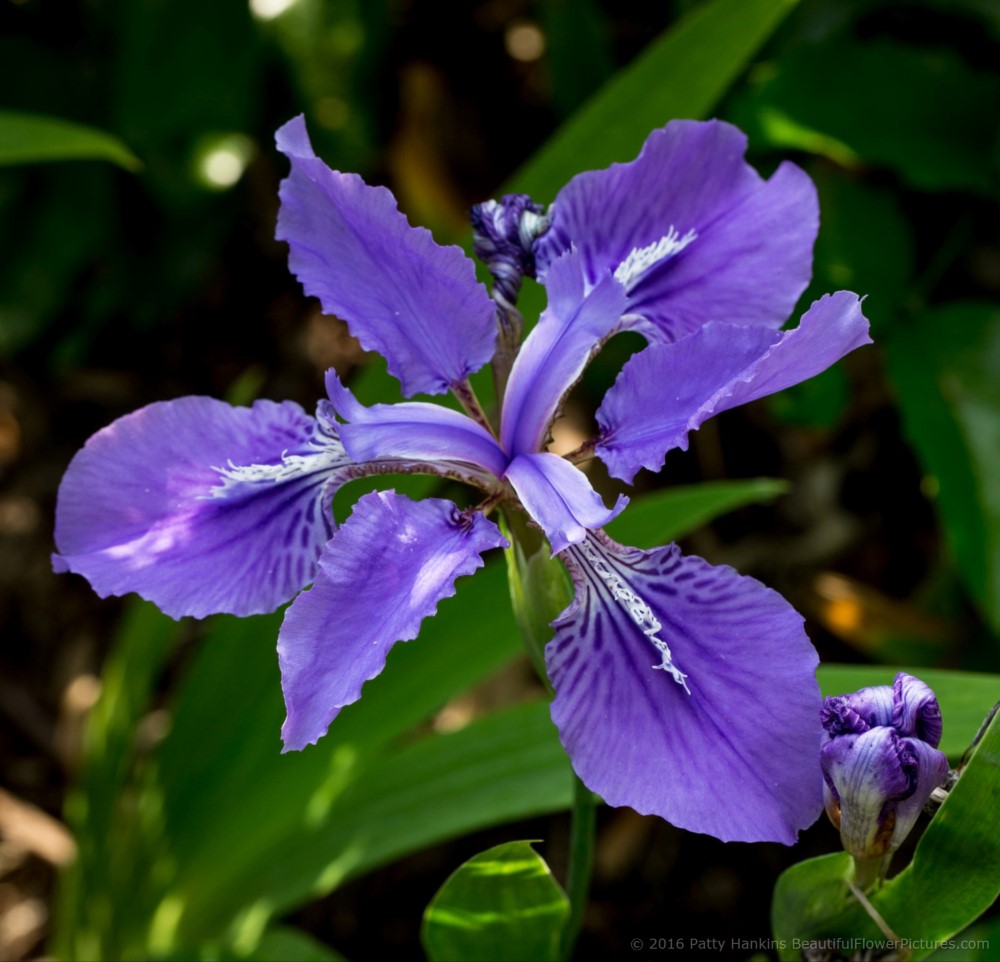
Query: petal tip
x=292 y=138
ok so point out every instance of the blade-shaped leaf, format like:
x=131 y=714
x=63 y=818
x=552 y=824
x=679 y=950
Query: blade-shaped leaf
x=681 y=74
x=505 y=766
x=926 y=114
x=503 y=904
x=230 y=708
x=943 y=365
x=667 y=515
x=33 y=139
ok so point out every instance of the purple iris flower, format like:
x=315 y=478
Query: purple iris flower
x=880 y=763
x=682 y=689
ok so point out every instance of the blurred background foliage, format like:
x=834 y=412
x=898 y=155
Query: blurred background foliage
x=137 y=263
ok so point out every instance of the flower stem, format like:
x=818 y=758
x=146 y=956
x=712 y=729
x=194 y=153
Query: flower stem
x=467 y=396
x=581 y=861
x=511 y=326
x=873 y=913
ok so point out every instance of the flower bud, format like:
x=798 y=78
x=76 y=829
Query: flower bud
x=880 y=763
x=504 y=233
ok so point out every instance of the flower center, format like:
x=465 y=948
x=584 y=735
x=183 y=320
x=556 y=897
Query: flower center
x=641 y=259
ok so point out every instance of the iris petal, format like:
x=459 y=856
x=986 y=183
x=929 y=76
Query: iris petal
x=418 y=431
x=201 y=507
x=868 y=773
x=691 y=181
x=916 y=710
x=668 y=390
x=553 y=357
x=418 y=304
x=383 y=572
x=735 y=758
x=930 y=771
x=559 y=497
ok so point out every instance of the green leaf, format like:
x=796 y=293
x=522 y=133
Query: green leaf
x=974 y=944
x=954 y=876
x=504 y=766
x=864 y=245
x=943 y=365
x=33 y=139
x=955 y=873
x=264 y=794
x=166 y=61
x=965 y=697
x=51 y=235
x=578 y=41
x=292 y=945
x=655 y=519
x=502 y=904
x=250 y=832
x=97 y=810
x=283 y=942
x=926 y=114
x=215 y=831
x=681 y=74
x=805 y=897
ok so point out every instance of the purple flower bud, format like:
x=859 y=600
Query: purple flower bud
x=880 y=763
x=504 y=233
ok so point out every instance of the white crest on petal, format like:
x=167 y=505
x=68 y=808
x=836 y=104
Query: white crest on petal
x=323 y=454
x=290 y=467
x=638 y=610
x=641 y=259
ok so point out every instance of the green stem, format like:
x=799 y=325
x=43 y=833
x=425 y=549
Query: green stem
x=536 y=600
x=581 y=861
x=868 y=872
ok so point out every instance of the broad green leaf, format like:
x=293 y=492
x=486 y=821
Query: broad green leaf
x=681 y=74
x=504 y=766
x=975 y=944
x=217 y=800
x=501 y=905
x=231 y=708
x=926 y=114
x=251 y=832
x=965 y=697
x=279 y=942
x=806 y=897
x=954 y=876
x=655 y=519
x=292 y=945
x=33 y=139
x=943 y=365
